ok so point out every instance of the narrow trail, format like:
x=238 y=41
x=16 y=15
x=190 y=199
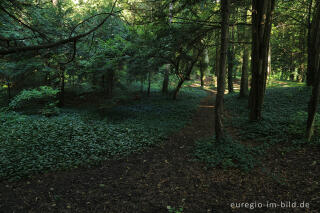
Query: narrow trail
x=143 y=182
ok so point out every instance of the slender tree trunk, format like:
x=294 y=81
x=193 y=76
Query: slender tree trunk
x=149 y=83
x=230 y=63
x=269 y=61
x=176 y=91
x=217 y=61
x=188 y=69
x=103 y=83
x=261 y=29
x=301 y=70
x=244 y=91
x=165 y=83
x=9 y=91
x=110 y=82
x=309 y=46
x=62 y=84
x=225 y=7
x=313 y=103
x=141 y=85
x=201 y=75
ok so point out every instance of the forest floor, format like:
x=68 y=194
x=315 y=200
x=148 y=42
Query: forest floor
x=167 y=179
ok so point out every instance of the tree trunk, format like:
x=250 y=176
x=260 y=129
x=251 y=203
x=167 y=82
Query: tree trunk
x=230 y=63
x=165 y=83
x=244 y=91
x=62 y=84
x=149 y=83
x=217 y=60
x=176 y=91
x=9 y=91
x=110 y=83
x=301 y=69
x=188 y=69
x=225 y=5
x=309 y=47
x=261 y=30
x=269 y=70
x=313 y=103
x=201 y=75
x=141 y=84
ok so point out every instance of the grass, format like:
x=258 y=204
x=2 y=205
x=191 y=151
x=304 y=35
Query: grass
x=33 y=144
x=283 y=123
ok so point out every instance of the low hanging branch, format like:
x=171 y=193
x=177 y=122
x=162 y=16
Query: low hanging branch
x=61 y=42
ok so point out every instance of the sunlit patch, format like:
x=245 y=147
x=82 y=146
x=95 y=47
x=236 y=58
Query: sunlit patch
x=79 y=1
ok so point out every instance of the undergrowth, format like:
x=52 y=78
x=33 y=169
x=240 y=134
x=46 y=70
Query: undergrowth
x=283 y=123
x=31 y=144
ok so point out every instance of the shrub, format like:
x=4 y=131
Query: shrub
x=41 y=100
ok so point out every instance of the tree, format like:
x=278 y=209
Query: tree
x=261 y=30
x=313 y=103
x=245 y=61
x=225 y=9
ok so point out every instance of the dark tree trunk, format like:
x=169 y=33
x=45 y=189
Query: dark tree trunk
x=188 y=69
x=176 y=91
x=261 y=29
x=244 y=91
x=9 y=91
x=313 y=103
x=149 y=83
x=201 y=76
x=103 y=83
x=217 y=61
x=165 y=83
x=230 y=64
x=62 y=84
x=141 y=85
x=309 y=47
x=225 y=5
x=110 y=83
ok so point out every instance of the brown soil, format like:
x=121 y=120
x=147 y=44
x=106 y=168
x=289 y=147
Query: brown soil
x=166 y=176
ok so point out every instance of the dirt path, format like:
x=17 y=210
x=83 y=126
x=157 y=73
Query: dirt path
x=147 y=182
x=166 y=176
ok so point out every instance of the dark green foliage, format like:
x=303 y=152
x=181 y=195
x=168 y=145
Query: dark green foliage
x=31 y=144
x=283 y=123
x=227 y=153
x=41 y=100
x=284 y=117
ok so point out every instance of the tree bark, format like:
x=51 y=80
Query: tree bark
x=313 y=103
x=62 y=84
x=149 y=83
x=9 y=91
x=244 y=91
x=230 y=64
x=176 y=91
x=225 y=6
x=261 y=30
x=309 y=46
x=201 y=75
x=110 y=82
x=165 y=83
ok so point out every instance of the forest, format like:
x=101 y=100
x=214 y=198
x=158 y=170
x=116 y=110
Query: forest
x=159 y=106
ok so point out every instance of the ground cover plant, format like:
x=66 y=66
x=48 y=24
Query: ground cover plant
x=158 y=106
x=282 y=125
x=37 y=143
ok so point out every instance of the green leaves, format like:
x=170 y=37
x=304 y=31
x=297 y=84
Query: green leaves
x=32 y=144
x=226 y=154
x=38 y=100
